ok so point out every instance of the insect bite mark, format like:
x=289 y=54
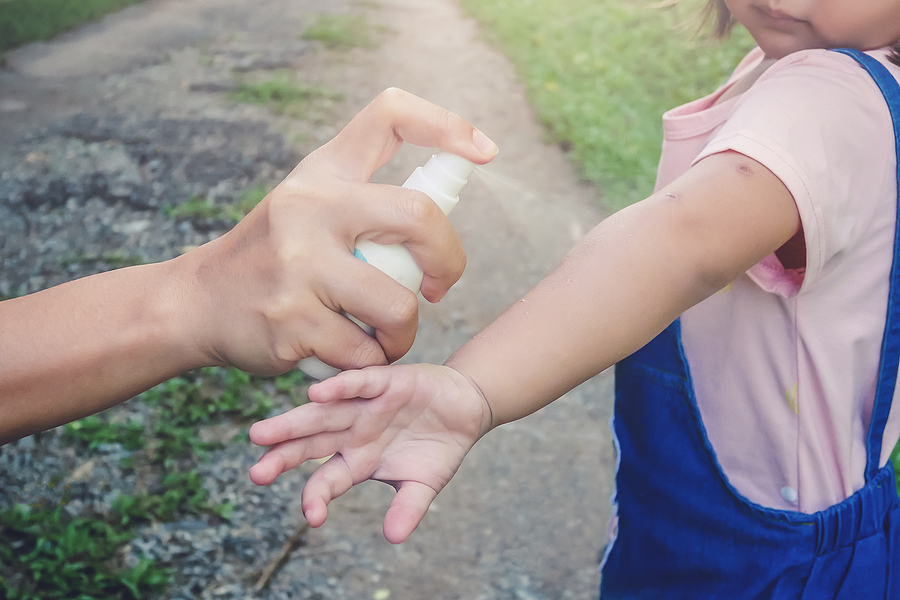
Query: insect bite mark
x=744 y=169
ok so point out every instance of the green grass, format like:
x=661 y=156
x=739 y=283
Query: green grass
x=247 y=202
x=95 y=431
x=205 y=208
x=342 y=32
x=170 y=443
x=24 y=21
x=195 y=207
x=601 y=73
x=45 y=553
x=283 y=95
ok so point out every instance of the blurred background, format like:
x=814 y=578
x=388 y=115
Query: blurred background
x=131 y=132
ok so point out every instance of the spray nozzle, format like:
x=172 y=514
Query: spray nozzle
x=449 y=171
x=442 y=177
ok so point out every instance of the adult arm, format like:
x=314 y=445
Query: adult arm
x=261 y=297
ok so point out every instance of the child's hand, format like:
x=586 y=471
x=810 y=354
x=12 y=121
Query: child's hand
x=406 y=425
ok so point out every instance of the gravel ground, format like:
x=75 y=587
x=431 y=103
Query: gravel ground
x=105 y=129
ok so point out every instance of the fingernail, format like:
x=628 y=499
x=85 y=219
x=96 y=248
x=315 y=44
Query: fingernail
x=484 y=143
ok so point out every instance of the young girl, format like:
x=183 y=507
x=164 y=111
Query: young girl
x=754 y=431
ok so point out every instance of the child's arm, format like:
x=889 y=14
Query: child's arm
x=620 y=286
x=627 y=280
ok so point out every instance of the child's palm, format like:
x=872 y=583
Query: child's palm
x=409 y=426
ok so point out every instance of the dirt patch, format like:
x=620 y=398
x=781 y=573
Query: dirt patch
x=102 y=127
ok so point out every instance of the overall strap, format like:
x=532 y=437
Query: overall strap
x=890 y=345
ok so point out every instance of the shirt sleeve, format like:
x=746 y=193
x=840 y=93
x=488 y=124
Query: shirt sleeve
x=819 y=122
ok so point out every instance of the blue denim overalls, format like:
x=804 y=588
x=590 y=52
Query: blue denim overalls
x=685 y=533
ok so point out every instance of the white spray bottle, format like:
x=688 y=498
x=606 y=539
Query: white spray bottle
x=441 y=178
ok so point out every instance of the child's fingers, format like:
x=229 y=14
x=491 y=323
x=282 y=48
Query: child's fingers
x=366 y=383
x=331 y=480
x=407 y=510
x=304 y=421
x=285 y=456
x=267 y=469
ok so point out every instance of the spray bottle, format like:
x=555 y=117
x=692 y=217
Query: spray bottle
x=441 y=178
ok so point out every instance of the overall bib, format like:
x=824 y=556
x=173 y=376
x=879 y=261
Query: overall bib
x=685 y=533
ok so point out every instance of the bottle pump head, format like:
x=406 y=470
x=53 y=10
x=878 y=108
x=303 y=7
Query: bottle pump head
x=448 y=171
x=442 y=178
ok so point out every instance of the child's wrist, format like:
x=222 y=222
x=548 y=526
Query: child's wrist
x=487 y=415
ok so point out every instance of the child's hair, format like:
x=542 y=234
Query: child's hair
x=717 y=10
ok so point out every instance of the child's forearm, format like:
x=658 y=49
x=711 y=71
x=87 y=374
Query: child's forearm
x=610 y=295
x=626 y=281
x=86 y=345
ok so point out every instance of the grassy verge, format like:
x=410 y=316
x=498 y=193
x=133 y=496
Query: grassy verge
x=601 y=73
x=47 y=553
x=24 y=21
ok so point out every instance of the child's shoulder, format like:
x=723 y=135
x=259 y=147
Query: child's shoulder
x=827 y=65
x=750 y=61
x=817 y=84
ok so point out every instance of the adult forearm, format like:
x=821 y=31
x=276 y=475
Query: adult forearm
x=78 y=348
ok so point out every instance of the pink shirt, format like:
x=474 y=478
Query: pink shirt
x=784 y=362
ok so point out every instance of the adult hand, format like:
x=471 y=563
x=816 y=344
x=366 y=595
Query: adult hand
x=268 y=293
x=274 y=289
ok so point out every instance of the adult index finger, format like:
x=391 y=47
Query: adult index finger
x=374 y=135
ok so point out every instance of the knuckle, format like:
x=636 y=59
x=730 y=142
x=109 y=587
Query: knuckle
x=404 y=309
x=282 y=315
x=333 y=483
x=451 y=122
x=287 y=256
x=366 y=354
x=278 y=310
x=418 y=209
x=451 y=261
x=459 y=264
x=390 y=100
x=286 y=354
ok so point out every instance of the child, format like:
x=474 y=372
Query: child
x=744 y=303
